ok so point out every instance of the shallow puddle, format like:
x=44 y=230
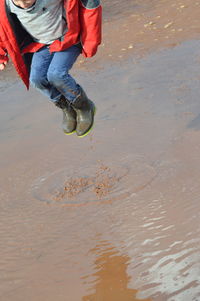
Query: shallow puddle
x=110 y=281
x=114 y=215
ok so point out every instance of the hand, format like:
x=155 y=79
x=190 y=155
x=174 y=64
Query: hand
x=2 y=66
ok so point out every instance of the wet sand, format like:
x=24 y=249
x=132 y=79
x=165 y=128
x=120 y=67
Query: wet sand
x=114 y=215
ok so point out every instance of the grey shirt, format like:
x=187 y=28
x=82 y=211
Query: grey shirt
x=45 y=21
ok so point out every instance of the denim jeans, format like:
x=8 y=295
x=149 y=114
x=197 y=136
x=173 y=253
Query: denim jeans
x=50 y=73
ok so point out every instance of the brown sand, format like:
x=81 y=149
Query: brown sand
x=100 y=184
x=116 y=214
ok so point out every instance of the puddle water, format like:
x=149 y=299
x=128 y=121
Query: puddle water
x=114 y=215
x=110 y=281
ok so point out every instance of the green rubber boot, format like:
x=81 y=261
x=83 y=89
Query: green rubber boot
x=69 y=115
x=85 y=110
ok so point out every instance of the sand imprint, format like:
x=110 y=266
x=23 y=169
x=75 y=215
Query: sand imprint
x=98 y=183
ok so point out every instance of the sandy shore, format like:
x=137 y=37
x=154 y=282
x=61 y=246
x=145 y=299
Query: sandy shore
x=115 y=215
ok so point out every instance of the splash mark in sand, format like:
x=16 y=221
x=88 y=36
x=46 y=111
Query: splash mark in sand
x=100 y=185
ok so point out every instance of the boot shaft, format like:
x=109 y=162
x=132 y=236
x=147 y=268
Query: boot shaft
x=62 y=103
x=81 y=102
x=85 y=110
x=69 y=115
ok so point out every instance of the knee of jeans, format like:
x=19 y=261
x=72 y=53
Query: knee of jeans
x=37 y=81
x=57 y=79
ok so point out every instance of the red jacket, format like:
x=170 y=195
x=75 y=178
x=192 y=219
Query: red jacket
x=84 y=19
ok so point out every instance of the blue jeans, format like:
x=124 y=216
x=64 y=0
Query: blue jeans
x=50 y=73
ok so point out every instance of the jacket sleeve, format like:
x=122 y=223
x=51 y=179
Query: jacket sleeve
x=3 y=55
x=3 y=51
x=90 y=14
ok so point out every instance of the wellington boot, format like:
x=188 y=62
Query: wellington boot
x=69 y=115
x=85 y=110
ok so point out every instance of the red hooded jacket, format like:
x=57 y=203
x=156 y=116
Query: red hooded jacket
x=83 y=17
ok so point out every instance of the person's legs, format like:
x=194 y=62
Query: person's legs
x=58 y=75
x=50 y=74
x=38 y=76
x=58 y=72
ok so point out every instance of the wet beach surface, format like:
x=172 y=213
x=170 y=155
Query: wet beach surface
x=114 y=215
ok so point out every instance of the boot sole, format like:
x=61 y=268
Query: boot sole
x=91 y=125
x=68 y=134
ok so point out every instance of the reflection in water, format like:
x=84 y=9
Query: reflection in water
x=111 y=277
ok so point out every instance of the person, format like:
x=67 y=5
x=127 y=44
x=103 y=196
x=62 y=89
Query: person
x=44 y=38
